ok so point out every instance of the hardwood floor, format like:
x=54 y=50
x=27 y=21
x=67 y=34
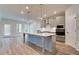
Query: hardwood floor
x=63 y=49
x=15 y=46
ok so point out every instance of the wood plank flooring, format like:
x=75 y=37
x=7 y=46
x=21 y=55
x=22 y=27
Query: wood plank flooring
x=15 y=46
x=63 y=49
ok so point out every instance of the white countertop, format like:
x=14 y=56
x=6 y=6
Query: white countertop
x=42 y=34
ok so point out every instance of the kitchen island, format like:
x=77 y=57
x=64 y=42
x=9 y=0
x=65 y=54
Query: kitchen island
x=47 y=41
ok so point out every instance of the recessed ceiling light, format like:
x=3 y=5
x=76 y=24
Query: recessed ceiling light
x=22 y=12
x=55 y=12
x=27 y=7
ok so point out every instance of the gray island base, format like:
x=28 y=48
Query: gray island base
x=47 y=41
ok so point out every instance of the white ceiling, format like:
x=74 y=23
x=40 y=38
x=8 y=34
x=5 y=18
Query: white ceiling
x=13 y=10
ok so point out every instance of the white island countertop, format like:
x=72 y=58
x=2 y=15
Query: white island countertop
x=42 y=34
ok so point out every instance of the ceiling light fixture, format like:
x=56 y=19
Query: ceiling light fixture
x=41 y=11
x=27 y=7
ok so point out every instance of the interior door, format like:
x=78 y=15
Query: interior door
x=70 y=23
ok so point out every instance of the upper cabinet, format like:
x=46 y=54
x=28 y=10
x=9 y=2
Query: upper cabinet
x=60 y=20
x=54 y=21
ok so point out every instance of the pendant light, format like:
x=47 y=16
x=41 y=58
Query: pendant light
x=41 y=18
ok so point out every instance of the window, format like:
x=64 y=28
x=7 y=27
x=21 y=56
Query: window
x=19 y=27
x=25 y=27
x=7 y=29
